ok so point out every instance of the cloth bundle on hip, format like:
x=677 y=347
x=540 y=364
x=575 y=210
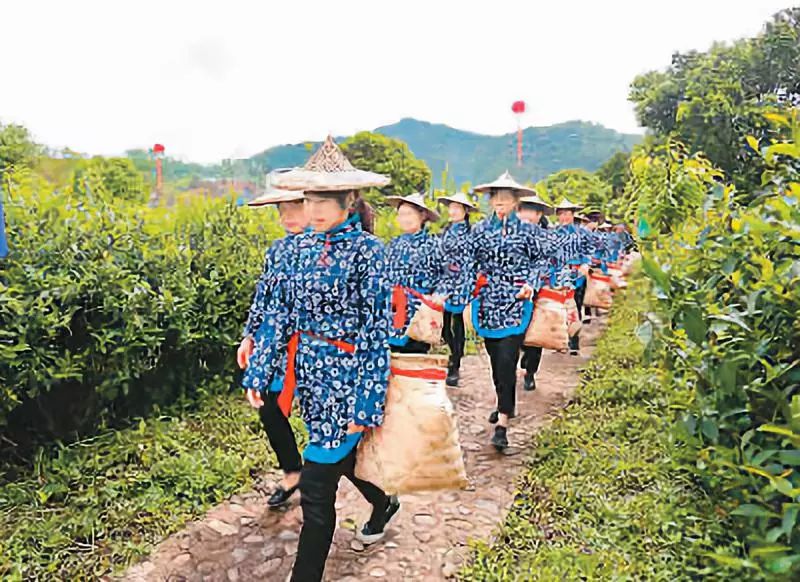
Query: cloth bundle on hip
x=617 y=277
x=629 y=262
x=598 y=291
x=555 y=319
x=428 y=322
x=417 y=447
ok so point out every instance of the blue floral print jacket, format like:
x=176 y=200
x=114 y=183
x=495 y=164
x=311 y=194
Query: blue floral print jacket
x=413 y=261
x=261 y=327
x=458 y=275
x=508 y=254
x=574 y=246
x=334 y=291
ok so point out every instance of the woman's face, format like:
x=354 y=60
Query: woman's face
x=409 y=218
x=530 y=215
x=293 y=216
x=456 y=212
x=325 y=212
x=503 y=203
x=565 y=216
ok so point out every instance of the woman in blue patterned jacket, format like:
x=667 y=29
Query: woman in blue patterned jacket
x=575 y=247
x=334 y=325
x=265 y=398
x=508 y=255
x=533 y=209
x=458 y=277
x=414 y=266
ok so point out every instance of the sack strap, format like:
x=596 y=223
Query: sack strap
x=555 y=294
x=425 y=374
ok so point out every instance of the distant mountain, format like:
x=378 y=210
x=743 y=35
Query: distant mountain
x=473 y=157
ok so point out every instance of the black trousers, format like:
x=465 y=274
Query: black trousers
x=580 y=293
x=412 y=347
x=454 y=334
x=531 y=358
x=504 y=355
x=279 y=434
x=318 y=485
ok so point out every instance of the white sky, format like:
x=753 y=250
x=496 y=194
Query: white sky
x=216 y=79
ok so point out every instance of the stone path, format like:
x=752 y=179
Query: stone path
x=241 y=541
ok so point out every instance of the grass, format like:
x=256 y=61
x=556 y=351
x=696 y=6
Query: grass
x=91 y=508
x=609 y=493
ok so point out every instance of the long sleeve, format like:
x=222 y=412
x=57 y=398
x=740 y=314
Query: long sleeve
x=264 y=286
x=588 y=246
x=372 y=347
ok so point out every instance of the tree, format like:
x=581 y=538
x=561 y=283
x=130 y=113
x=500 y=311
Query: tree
x=615 y=172
x=713 y=101
x=17 y=148
x=577 y=185
x=385 y=155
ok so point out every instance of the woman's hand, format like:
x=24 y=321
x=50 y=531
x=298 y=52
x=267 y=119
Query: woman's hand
x=244 y=352
x=584 y=270
x=254 y=398
x=526 y=292
x=354 y=428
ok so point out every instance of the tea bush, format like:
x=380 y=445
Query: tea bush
x=728 y=299
x=108 y=309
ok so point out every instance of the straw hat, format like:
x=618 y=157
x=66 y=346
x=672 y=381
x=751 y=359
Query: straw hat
x=580 y=218
x=566 y=204
x=504 y=182
x=605 y=226
x=328 y=170
x=274 y=195
x=416 y=200
x=545 y=207
x=459 y=198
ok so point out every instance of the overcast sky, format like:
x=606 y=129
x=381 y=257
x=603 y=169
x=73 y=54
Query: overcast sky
x=219 y=79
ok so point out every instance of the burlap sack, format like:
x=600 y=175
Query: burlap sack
x=427 y=324
x=555 y=318
x=598 y=291
x=417 y=447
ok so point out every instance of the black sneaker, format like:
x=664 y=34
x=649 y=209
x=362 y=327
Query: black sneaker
x=453 y=377
x=280 y=497
x=500 y=439
x=375 y=530
x=530 y=382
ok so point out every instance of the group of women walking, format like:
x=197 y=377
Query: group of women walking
x=333 y=303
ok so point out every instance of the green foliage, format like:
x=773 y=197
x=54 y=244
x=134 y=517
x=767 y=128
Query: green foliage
x=109 y=178
x=17 y=148
x=606 y=495
x=616 y=172
x=578 y=185
x=391 y=157
x=89 y=509
x=108 y=308
x=666 y=185
x=728 y=281
x=711 y=101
